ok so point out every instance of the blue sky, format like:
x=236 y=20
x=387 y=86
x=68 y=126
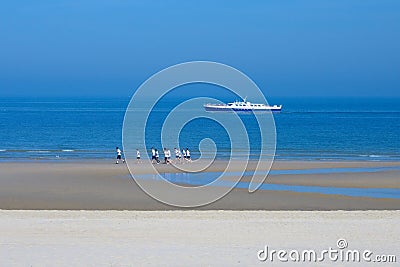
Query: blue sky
x=289 y=48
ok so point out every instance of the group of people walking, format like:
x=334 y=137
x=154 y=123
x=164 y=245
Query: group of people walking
x=181 y=156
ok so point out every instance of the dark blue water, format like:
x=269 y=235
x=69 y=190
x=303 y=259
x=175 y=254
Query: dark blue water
x=307 y=128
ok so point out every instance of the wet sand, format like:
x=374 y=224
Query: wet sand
x=107 y=186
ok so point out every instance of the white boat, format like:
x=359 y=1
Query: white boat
x=242 y=106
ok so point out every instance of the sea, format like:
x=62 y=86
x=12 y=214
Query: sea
x=307 y=128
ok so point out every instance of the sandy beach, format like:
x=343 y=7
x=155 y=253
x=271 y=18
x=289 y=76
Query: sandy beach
x=106 y=186
x=278 y=123
x=183 y=238
x=93 y=214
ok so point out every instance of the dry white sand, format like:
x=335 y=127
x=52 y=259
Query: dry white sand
x=186 y=238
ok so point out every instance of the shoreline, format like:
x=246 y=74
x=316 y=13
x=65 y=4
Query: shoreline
x=280 y=163
x=277 y=159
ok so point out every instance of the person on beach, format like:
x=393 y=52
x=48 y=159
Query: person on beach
x=119 y=155
x=156 y=155
x=138 y=160
x=180 y=155
x=188 y=155
x=177 y=152
x=184 y=154
x=167 y=156
x=153 y=155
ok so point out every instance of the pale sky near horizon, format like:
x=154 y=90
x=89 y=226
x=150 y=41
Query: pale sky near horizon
x=289 y=48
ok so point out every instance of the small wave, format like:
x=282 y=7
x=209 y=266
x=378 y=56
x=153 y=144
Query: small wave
x=38 y=151
x=3 y=150
x=371 y=156
x=67 y=150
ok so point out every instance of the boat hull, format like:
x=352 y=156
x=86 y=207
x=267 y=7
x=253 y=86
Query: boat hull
x=236 y=109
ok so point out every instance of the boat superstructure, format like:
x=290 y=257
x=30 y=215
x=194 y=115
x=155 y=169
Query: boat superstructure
x=242 y=106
